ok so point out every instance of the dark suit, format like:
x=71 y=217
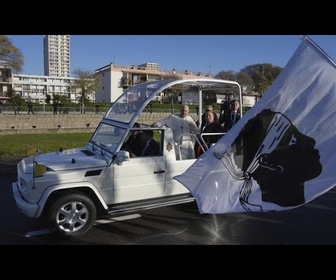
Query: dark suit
x=230 y=119
x=134 y=144
x=152 y=148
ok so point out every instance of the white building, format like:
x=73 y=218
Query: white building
x=6 y=81
x=36 y=88
x=56 y=50
x=115 y=79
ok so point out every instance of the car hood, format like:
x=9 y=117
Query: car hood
x=79 y=158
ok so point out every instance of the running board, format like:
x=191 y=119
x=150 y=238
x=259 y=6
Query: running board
x=145 y=205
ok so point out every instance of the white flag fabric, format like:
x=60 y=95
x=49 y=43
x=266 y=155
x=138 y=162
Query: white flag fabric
x=281 y=154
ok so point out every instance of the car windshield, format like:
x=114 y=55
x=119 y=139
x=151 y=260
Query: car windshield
x=108 y=136
x=133 y=101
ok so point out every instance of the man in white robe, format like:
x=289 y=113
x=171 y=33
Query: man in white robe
x=183 y=124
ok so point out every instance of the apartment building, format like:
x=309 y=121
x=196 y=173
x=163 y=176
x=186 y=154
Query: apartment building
x=115 y=79
x=6 y=82
x=36 y=88
x=56 y=51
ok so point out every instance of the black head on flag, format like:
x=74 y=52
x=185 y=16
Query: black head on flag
x=286 y=155
x=278 y=157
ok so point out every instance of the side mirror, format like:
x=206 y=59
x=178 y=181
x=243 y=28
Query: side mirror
x=122 y=156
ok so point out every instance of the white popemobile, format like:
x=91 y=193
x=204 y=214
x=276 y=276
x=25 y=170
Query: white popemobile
x=71 y=188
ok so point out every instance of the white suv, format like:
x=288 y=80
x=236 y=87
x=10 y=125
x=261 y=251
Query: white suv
x=72 y=187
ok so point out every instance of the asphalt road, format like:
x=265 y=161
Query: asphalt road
x=311 y=224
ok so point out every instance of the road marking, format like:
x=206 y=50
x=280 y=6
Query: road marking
x=117 y=219
x=37 y=232
x=98 y=222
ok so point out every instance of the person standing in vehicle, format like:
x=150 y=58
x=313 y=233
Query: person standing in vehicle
x=204 y=119
x=211 y=126
x=182 y=124
x=233 y=115
x=231 y=119
x=224 y=109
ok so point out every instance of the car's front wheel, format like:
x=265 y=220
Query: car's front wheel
x=71 y=215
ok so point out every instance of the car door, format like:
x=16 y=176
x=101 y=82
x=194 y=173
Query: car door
x=139 y=178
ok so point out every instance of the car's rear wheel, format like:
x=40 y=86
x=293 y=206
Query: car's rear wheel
x=71 y=215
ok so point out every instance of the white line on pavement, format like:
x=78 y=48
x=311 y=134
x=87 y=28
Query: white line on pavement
x=98 y=222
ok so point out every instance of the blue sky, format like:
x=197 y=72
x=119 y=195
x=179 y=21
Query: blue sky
x=195 y=53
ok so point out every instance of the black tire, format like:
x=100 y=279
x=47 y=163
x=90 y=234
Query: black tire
x=71 y=215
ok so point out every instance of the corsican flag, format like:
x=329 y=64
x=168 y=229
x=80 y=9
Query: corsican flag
x=281 y=154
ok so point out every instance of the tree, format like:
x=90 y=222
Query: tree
x=242 y=78
x=18 y=101
x=245 y=81
x=255 y=77
x=11 y=93
x=174 y=91
x=10 y=55
x=262 y=75
x=85 y=84
x=227 y=75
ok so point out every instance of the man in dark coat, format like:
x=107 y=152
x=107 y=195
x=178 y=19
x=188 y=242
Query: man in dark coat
x=150 y=146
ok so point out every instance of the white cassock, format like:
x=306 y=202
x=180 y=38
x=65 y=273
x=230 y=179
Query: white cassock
x=182 y=126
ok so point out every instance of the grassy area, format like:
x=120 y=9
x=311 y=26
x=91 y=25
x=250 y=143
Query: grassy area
x=16 y=144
